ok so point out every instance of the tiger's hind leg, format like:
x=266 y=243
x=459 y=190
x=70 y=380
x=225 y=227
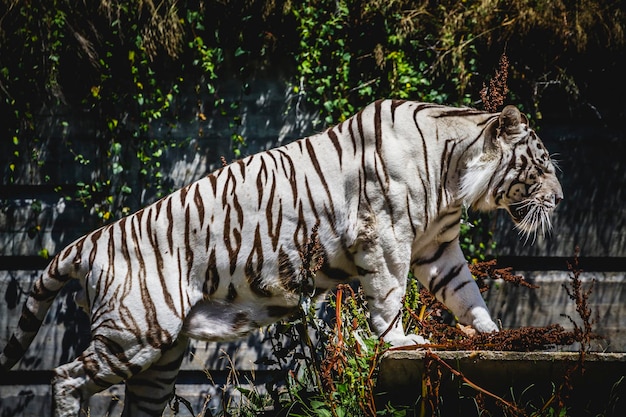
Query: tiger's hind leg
x=101 y=365
x=148 y=392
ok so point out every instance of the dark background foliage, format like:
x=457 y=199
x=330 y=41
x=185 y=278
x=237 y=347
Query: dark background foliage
x=139 y=70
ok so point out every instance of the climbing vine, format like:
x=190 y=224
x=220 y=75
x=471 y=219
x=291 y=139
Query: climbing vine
x=145 y=78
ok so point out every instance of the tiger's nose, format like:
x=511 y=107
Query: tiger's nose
x=557 y=195
x=553 y=198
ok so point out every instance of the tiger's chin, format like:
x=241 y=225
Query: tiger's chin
x=531 y=217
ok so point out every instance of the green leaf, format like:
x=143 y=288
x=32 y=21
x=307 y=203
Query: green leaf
x=117 y=168
x=116 y=148
x=317 y=404
x=112 y=124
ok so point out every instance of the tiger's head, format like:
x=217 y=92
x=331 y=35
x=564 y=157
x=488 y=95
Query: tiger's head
x=514 y=172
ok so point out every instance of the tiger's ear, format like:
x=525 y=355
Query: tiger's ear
x=510 y=121
x=492 y=134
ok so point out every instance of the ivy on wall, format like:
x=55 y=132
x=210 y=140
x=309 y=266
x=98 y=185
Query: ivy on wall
x=133 y=66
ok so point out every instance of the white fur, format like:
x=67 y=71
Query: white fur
x=475 y=181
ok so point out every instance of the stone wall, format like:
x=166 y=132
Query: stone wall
x=592 y=216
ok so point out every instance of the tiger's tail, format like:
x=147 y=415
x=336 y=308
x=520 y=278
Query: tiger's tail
x=44 y=291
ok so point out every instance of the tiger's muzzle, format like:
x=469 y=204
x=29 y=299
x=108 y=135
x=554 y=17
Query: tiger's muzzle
x=533 y=213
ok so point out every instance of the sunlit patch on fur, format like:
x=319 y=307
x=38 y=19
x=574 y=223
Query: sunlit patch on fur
x=475 y=181
x=531 y=217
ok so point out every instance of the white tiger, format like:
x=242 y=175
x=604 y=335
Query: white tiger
x=220 y=257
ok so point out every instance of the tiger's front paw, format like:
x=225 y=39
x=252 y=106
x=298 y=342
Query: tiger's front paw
x=481 y=321
x=406 y=340
x=485 y=325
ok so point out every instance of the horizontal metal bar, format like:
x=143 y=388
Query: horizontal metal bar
x=518 y=263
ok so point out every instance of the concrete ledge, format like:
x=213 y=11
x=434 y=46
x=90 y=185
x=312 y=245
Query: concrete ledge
x=526 y=378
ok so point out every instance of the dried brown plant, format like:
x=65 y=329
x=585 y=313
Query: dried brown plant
x=485 y=270
x=580 y=295
x=493 y=97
